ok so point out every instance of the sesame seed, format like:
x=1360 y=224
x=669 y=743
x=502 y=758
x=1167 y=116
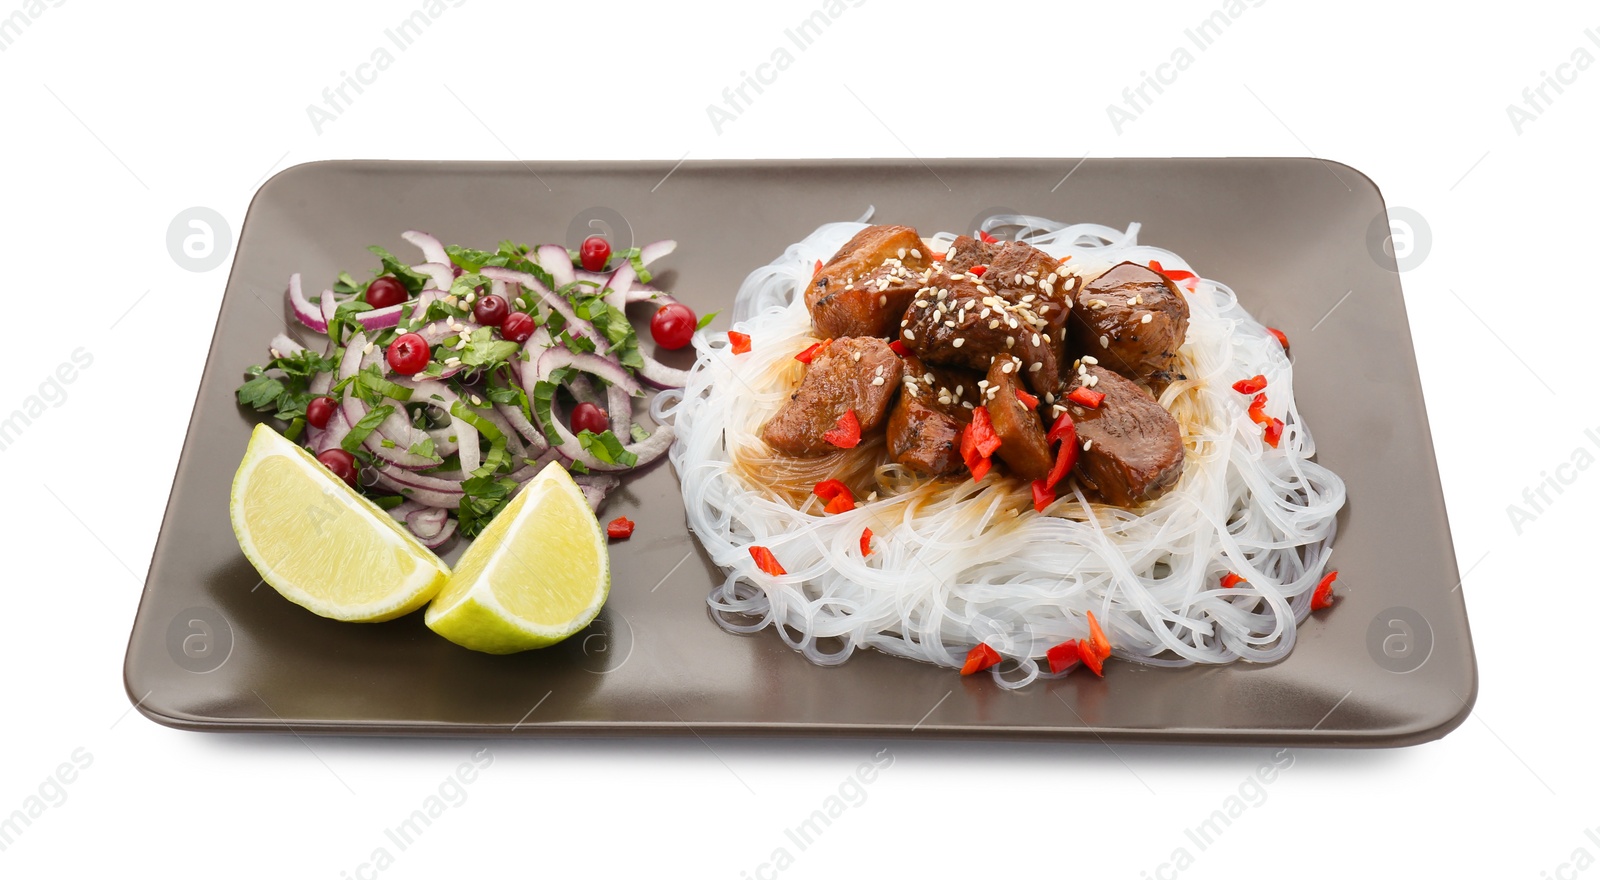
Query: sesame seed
x=419 y=377
x=877 y=380
x=878 y=371
x=1017 y=279
x=1105 y=342
x=1049 y=397
x=1087 y=444
x=902 y=253
x=1005 y=368
x=950 y=324
x=1010 y=341
x=1036 y=340
x=916 y=253
x=1052 y=278
x=909 y=335
x=995 y=324
x=275 y=353
x=872 y=496
x=882 y=300
x=1092 y=381
x=967 y=404
x=1147 y=318
x=957 y=343
x=1036 y=367
x=469 y=298
x=855 y=356
x=1090 y=359
x=928 y=378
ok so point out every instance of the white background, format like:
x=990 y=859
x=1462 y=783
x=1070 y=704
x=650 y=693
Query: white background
x=118 y=116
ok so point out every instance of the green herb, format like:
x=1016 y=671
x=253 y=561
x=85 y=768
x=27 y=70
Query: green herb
x=362 y=429
x=281 y=386
x=373 y=388
x=576 y=467
x=484 y=350
x=606 y=447
x=638 y=433
x=423 y=448
x=633 y=255
x=544 y=395
x=344 y=316
x=389 y=502
x=348 y=285
x=482 y=497
x=413 y=280
x=705 y=320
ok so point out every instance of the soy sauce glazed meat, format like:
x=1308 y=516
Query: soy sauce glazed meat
x=990 y=352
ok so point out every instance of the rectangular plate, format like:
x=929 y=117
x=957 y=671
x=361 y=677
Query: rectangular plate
x=1390 y=664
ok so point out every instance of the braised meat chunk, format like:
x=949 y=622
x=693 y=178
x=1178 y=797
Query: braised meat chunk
x=959 y=321
x=1132 y=319
x=865 y=288
x=1022 y=442
x=1024 y=274
x=1131 y=447
x=859 y=373
x=935 y=403
x=966 y=252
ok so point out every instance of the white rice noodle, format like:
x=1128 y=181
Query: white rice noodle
x=954 y=563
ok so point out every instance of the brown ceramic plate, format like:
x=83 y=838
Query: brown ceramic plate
x=1390 y=664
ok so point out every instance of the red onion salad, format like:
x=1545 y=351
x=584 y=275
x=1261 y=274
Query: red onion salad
x=442 y=448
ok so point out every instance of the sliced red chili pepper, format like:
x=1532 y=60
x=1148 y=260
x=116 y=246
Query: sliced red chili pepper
x=1258 y=410
x=1231 y=580
x=827 y=490
x=1251 y=385
x=839 y=504
x=1043 y=495
x=1066 y=258
x=847 y=431
x=899 y=348
x=1062 y=656
x=1323 y=597
x=818 y=270
x=978 y=270
x=765 y=560
x=1066 y=457
x=984 y=439
x=620 y=528
x=1086 y=397
x=980 y=658
x=1064 y=428
x=741 y=341
x=1177 y=276
x=1282 y=339
x=1095 y=649
x=984 y=236
x=1273 y=433
x=866 y=542
x=1027 y=399
x=805 y=357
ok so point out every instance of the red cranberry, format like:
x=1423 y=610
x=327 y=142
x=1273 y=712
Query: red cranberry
x=517 y=327
x=588 y=417
x=409 y=354
x=490 y=310
x=386 y=291
x=318 y=411
x=594 y=252
x=673 y=325
x=341 y=463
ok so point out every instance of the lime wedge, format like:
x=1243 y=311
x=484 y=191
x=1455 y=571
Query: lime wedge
x=322 y=545
x=537 y=574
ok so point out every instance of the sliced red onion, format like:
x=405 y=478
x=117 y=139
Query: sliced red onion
x=523 y=427
x=441 y=274
x=432 y=249
x=619 y=406
x=595 y=487
x=660 y=375
x=656 y=250
x=388 y=477
x=282 y=346
x=427 y=522
x=330 y=307
x=553 y=258
x=593 y=364
x=380 y=319
x=645 y=293
x=445 y=532
x=583 y=390
x=305 y=311
x=618 y=284
x=404 y=509
x=574 y=325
